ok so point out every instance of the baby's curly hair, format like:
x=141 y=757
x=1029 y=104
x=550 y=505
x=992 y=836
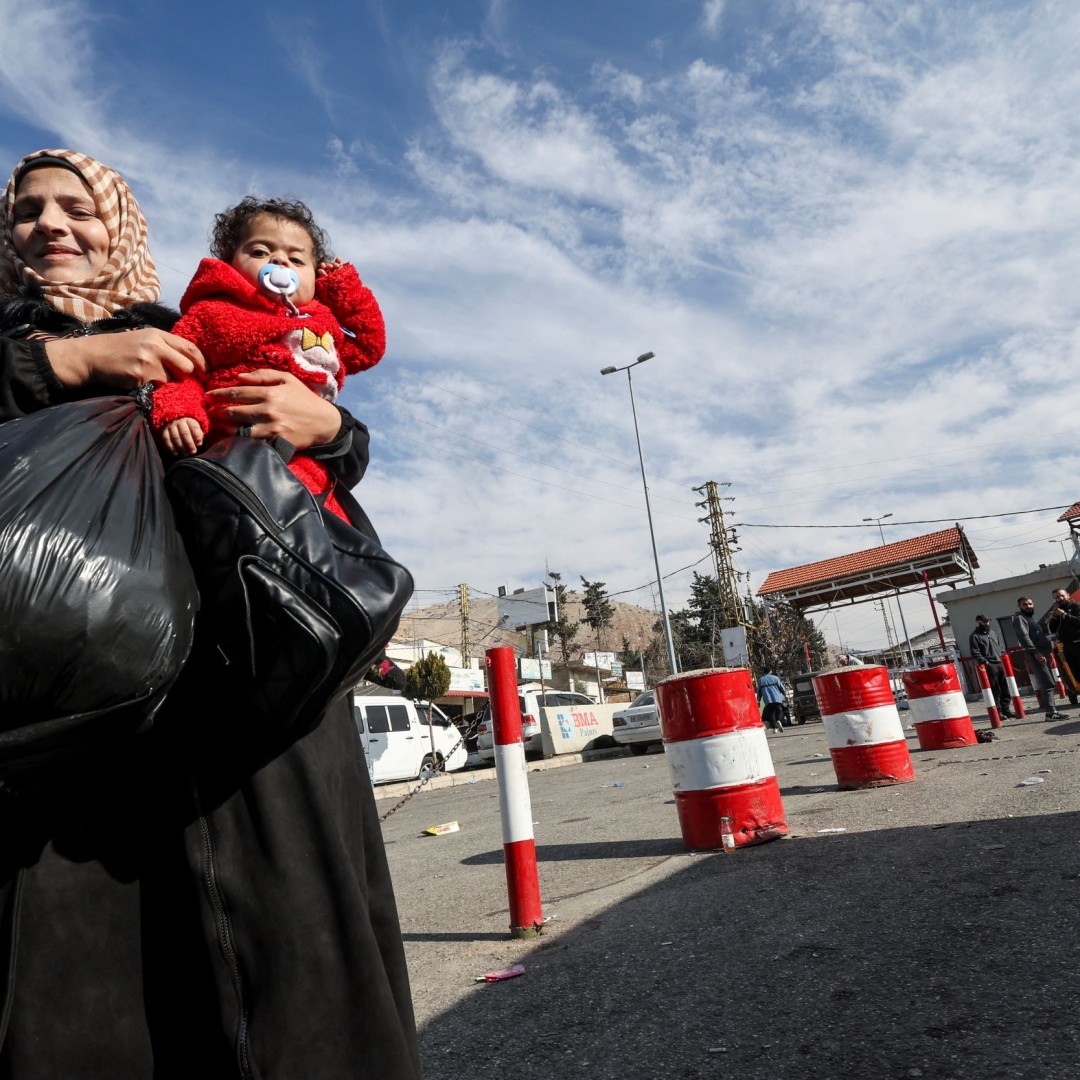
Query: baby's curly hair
x=228 y=231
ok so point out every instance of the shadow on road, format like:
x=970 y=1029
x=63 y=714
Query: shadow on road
x=937 y=953
x=1071 y=728
x=594 y=849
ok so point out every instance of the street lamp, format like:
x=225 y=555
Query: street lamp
x=1064 y=553
x=896 y=592
x=611 y=370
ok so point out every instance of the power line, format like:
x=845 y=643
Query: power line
x=533 y=427
x=923 y=521
x=649 y=584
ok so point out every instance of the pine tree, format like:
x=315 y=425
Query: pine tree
x=599 y=612
x=563 y=630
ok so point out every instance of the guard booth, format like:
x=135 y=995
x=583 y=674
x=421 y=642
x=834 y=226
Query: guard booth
x=889 y=570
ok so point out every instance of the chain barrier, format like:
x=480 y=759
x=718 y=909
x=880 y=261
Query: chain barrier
x=439 y=764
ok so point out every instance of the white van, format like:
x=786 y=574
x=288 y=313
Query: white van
x=398 y=742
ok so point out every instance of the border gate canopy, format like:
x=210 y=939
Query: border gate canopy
x=945 y=556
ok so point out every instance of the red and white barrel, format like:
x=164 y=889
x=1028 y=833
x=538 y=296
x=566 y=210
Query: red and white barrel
x=719 y=758
x=988 y=697
x=1014 y=690
x=515 y=805
x=938 y=709
x=1056 y=671
x=862 y=728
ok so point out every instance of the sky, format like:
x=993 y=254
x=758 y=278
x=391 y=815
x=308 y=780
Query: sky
x=849 y=231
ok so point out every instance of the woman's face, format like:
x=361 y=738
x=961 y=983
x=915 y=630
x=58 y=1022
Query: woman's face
x=57 y=231
x=277 y=240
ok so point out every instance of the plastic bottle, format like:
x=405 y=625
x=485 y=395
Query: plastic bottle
x=727 y=836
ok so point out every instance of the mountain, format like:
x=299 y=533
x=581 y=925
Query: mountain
x=442 y=623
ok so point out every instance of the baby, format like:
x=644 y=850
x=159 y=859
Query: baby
x=271 y=298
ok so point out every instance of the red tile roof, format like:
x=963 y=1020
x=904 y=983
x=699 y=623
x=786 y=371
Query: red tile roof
x=1072 y=512
x=904 y=551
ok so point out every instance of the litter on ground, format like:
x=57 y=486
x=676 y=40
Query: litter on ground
x=498 y=976
x=442 y=830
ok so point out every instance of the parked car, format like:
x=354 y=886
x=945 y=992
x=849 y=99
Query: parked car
x=638 y=726
x=805 y=702
x=531 y=701
x=397 y=740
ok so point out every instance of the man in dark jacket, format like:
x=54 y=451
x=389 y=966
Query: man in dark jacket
x=1036 y=645
x=985 y=648
x=1065 y=622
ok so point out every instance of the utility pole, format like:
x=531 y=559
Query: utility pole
x=466 y=646
x=721 y=538
x=888 y=632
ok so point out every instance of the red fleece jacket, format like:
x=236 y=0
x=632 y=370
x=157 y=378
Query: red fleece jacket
x=240 y=328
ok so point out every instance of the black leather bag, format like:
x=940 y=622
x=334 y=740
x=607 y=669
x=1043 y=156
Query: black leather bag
x=296 y=604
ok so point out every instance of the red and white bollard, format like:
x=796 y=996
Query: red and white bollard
x=1014 y=690
x=1056 y=672
x=862 y=728
x=938 y=709
x=515 y=806
x=719 y=758
x=988 y=697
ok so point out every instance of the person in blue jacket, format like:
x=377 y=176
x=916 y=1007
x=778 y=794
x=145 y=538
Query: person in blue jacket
x=772 y=695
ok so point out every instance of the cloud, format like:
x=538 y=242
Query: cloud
x=711 y=13
x=853 y=246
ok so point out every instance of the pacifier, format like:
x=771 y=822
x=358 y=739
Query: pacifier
x=280 y=281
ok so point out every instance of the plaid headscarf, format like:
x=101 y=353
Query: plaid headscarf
x=126 y=278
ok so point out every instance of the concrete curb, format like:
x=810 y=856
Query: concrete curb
x=462 y=778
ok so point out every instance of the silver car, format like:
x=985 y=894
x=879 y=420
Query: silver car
x=639 y=726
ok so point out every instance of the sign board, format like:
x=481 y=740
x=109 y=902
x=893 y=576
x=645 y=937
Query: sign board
x=635 y=680
x=616 y=668
x=733 y=639
x=467 y=679
x=527 y=607
x=569 y=729
x=606 y=660
x=530 y=668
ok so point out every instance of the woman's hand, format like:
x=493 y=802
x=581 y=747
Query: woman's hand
x=123 y=361
x=275 y=403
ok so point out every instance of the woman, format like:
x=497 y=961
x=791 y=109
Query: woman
x=175 y=910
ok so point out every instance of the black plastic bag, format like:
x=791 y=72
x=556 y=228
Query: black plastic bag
x=97 y=598
x=296 y=603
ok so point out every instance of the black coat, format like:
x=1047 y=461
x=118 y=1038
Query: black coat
x=196 y=905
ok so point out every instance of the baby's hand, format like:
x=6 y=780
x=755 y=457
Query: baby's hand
x=182 y=437
x=327 y=268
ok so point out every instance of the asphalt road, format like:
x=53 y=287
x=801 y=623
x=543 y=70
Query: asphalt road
x=934 y=937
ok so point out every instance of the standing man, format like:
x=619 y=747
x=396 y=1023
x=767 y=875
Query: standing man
x=1036 y=646
x=985 y=648
x=772 y=695
x=1065 y=622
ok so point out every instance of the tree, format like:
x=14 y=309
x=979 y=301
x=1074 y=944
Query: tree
x=564 y=630
x=779 y=638
x=599 y=612
x=427 y=679
x=695 y=630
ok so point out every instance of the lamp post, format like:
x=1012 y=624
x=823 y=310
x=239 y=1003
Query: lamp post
x=1064 y=553
x=896 y=592
x=648 y=508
